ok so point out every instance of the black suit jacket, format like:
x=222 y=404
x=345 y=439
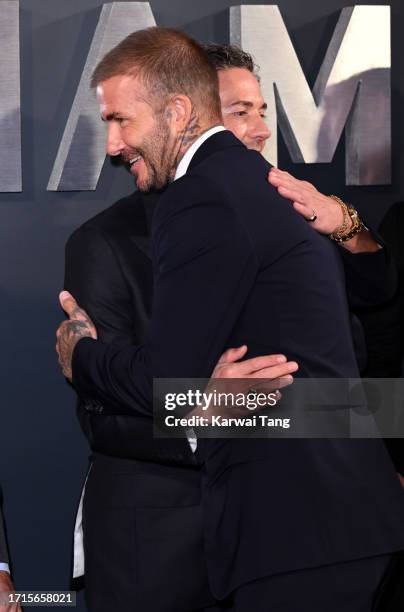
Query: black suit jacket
x=384 y=325
x=198 y=223
x=108 y=269
x=234 y=265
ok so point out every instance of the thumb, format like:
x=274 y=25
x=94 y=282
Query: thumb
x=67 y=302
x=273 y=178
x=233 y=354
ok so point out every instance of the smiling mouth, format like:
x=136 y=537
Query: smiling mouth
x=134 y=160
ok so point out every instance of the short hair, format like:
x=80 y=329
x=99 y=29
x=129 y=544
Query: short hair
x=167 y=62
x=230 y=56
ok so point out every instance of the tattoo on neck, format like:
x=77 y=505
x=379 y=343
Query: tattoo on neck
x=188 y=136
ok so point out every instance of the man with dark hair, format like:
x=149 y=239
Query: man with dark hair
x=243 y=111
x=230 y=56
x=222 y=263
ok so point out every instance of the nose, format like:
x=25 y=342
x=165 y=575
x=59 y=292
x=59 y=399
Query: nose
x=259 y=129
x=115 y=144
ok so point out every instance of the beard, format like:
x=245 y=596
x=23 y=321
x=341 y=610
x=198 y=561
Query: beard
x=158 y=155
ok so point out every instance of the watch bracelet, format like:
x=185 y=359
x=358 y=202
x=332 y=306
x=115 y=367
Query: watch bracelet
x=350 y=214
x=345 y=226
x=357 y=226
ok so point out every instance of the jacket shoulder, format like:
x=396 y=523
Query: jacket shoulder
x=125 y=211
x=123 y=219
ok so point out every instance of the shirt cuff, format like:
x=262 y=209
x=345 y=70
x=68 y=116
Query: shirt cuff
x=4 y=567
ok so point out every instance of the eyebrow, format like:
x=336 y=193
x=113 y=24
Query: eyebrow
x=111 y=116
x=248 y=104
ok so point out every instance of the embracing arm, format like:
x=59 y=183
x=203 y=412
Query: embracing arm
x=131 y=436
x=204 y=263
x=94 y=274
x=369 y=268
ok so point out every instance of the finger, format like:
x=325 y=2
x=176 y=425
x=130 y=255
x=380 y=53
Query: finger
x=285 y=179
x=61 y=329
x=276 y=178
x=71 y=307
x=67 y=302
x=280 y=178
x=276 y=170
x=233 y=354
x=295 y=186
x=276 y=371
x=250 y=366
x=293 y=194
x=281 y=173
x=298 y=183
x=274 y=384
x=304 y=211
x=79 y=314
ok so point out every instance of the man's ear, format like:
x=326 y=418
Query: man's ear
x=179 y=111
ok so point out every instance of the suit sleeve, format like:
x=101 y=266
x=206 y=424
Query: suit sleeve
x=205 y=267
x=384 y=327
x=371 y=278
x=383 y=323
x=94 y=276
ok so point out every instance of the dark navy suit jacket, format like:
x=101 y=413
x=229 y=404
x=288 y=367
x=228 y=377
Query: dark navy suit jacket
x=234 y=265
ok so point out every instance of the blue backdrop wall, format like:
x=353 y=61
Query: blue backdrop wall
x=43 y=454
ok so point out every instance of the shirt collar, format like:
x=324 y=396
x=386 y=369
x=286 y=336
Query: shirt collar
x=186 y=160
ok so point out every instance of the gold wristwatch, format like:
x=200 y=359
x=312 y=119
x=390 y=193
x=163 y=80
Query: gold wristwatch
x=351 y=225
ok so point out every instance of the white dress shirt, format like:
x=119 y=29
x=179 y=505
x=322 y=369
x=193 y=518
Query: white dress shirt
x=182 y=167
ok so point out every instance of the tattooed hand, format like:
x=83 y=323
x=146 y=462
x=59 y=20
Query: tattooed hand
x=70 y=332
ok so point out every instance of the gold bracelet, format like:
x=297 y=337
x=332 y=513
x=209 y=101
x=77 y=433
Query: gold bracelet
x=351 y=225
x=357 y=226
x=346 y=223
